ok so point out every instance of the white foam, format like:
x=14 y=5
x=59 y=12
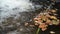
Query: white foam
x=6 y=7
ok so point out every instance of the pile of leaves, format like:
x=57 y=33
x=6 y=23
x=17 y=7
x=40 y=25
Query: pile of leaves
x=46 y=18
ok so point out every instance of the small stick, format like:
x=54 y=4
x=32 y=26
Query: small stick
x=38 y=31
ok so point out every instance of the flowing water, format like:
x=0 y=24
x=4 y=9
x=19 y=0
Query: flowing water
x=15 y=13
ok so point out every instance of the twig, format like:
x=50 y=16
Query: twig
x=38 y=31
